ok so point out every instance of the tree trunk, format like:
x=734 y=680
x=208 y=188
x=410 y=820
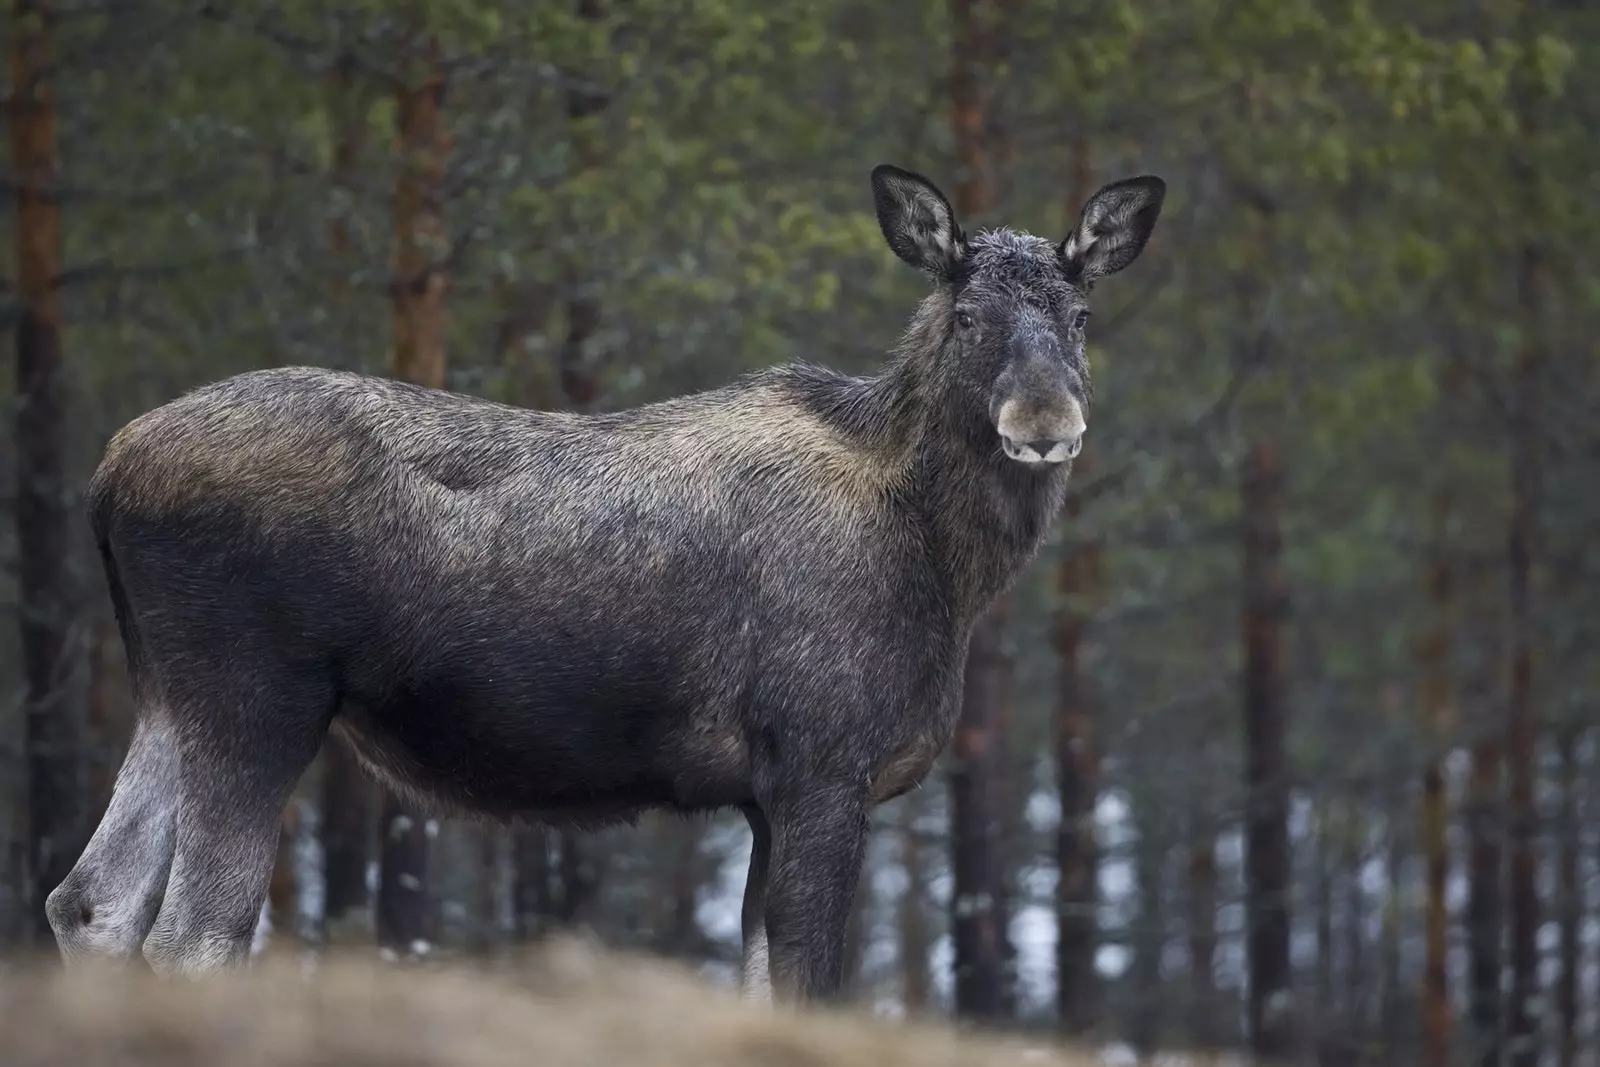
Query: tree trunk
x=1203 y=1029
x=1484 y=900
x=587 y=103
x=1078 y=782
x=978 y=921
x=347 y=794
x=1438 y=720
x=486 y=925
x=347 y=831
x=1327 y=1020
x=1521 y=548
x=977 y=924
x=1393 y=1018
x=915 y=941
x=533 y=904
x=407 y=910
x=1267 y=867
x=1357 y=980
x=579 y=875
x=682 y=935
x=53 y=737
x=1569 y=901
x=1144 y=1032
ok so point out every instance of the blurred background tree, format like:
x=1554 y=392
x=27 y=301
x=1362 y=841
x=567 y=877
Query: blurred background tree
x=1286 y=743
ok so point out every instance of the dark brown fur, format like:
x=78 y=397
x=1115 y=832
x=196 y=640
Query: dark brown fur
x=755 y=597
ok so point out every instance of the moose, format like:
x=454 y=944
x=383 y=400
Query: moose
x=757 y=597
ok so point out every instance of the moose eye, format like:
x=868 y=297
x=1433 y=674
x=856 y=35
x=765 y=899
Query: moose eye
x=963 y=320
x=1081 y=320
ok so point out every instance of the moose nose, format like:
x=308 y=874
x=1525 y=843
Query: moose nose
x=1045 y=446
x=1043 y=449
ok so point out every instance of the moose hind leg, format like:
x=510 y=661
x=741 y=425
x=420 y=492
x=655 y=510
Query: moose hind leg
x=244 y=748
x=107 y=903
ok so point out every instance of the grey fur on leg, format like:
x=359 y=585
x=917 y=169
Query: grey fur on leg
x=219 y=880
x=107 y=904
x=755 y=974
x=241 y=759
x=819 y=840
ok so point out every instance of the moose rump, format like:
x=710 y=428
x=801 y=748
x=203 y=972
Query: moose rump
x=506 y=613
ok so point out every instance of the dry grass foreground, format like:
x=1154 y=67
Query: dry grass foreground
x=566 y=1006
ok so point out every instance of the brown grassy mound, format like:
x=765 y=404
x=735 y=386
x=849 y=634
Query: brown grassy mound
x=568 y=1006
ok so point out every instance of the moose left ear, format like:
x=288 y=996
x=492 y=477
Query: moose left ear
x=1114 y=227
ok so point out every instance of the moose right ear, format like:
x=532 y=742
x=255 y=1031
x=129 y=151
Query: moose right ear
x=917 y=220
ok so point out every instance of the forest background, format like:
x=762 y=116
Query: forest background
x=1286 y=742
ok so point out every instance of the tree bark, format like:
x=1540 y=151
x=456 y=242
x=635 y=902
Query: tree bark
x=53 y=731
x=915 y=940
x=407 y=909
x=1078 y=782
x=1267 y=866
x=587 y=103
x=579 y=874
x=1202 y=900
x=1357 y=979
x=1438 y=719
x=533 y=903
x=977 y=923
x=978 y=920
x=1521 y=549
x=1484 y=901
x=682 y=935
x=347 y=831
x=486 y=934
x=1144 y=1031
x=1569 y=901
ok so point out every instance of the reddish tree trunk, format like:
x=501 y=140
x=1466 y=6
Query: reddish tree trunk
x=1267 y=867
x=1077 y=776
x=978 y=920
x=53 y=733
x=1077 y=755
x=977 y=923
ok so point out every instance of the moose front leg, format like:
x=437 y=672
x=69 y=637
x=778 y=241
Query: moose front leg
x=819 y=838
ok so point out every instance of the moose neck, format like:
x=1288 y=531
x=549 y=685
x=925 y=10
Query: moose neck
x=982 y=516
x=987 y=515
